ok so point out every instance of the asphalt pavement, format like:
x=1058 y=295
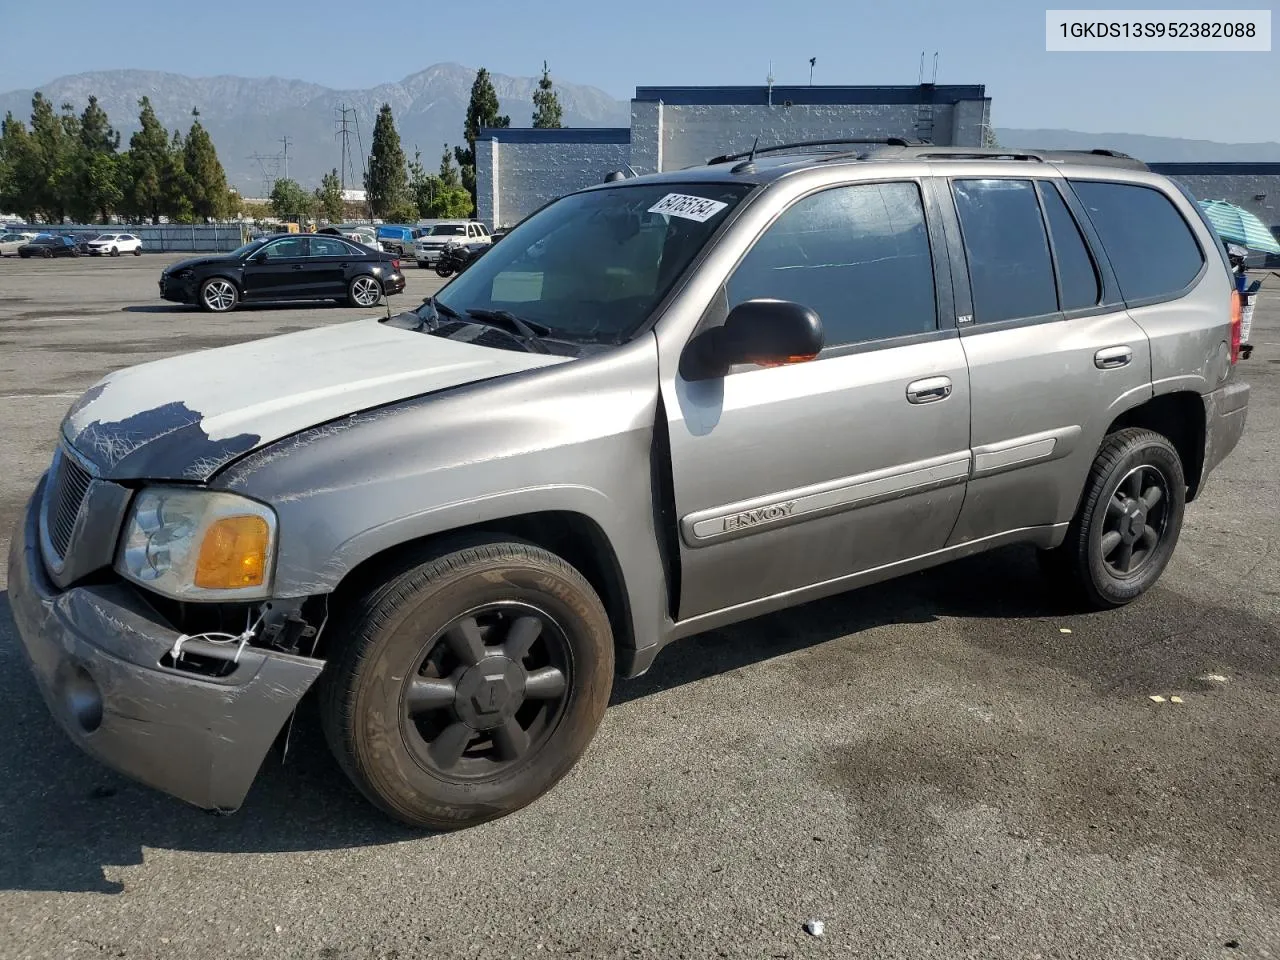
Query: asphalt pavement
x=949 y=765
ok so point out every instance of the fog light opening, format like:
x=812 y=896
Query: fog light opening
x=83 y=700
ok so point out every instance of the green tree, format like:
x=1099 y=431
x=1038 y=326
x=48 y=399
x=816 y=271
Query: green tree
x=449 y=175
x=146 y=163
x=482 y=111
x=547 y=113
x=423 y=187
x=175 y=183
x=387 y=181
x=98 y=168
x=206 y=181
x=18 y=176
x=329 y=197
x=52 y=156
x=289 y=201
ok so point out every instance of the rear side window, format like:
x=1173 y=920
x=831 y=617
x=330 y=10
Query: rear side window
x=1152 y=250
x=1010 y=272
x=1077 y=277
x=857 y=255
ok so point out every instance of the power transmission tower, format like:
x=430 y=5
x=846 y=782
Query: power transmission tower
x=348 y=123
x=285 y=154
x=270 y=166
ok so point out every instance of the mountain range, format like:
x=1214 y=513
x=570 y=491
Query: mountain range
x=249 y=116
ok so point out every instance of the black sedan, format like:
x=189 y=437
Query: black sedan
x=51 y=247
x=290 y=267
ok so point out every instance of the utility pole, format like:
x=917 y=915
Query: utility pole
x=813 y=62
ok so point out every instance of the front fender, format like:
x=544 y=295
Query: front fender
x=574 y=438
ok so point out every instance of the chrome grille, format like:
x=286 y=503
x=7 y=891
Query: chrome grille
x=67 y=490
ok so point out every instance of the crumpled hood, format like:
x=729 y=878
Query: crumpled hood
x=186 y=417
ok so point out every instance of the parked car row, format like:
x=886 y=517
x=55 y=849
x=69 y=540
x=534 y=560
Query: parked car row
x=47 y=245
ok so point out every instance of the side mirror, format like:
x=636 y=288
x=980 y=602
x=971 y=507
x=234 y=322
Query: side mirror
x=770 y=333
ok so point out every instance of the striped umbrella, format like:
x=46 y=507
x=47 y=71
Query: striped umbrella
x=1239 y=226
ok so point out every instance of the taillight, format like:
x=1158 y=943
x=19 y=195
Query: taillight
x=395 y=265
x=1237 y=310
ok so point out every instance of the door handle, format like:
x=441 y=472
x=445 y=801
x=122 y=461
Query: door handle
x=929 y=390
x=297 y=266
x=1109 y=358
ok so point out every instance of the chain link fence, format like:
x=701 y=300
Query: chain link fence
x=164 y=237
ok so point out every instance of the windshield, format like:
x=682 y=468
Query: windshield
x=448 y=230
x=251 y=245
x=593 y=265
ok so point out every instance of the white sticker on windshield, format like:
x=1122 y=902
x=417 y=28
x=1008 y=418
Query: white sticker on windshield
x=690 y=208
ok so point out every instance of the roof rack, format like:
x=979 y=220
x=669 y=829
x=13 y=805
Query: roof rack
x=782 y=147
x=1111 y=158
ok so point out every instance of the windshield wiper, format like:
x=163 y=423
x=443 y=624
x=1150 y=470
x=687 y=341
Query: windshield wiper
x=529 y=333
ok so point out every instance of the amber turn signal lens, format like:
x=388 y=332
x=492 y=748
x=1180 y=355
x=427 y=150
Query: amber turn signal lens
x=233 y=554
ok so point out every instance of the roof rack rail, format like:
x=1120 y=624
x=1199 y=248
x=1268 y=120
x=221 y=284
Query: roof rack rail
x=1110 y=158
x=780 y=147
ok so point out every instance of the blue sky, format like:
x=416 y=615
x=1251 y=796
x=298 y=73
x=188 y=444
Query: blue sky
x=618 y=45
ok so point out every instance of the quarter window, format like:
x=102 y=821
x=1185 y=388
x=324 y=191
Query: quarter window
x=1151 y=248
x=858 y=255
x=1077 y=277
x=1010 y=271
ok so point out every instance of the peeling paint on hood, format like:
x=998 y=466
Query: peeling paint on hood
x=188 y=416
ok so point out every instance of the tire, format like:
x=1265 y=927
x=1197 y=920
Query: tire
x=48 y=253
x=439 y=767
x=137 y=251
x=115 y=252
x=1126 y=528
x=364 y=291
x=218 y=295
x=443 y=271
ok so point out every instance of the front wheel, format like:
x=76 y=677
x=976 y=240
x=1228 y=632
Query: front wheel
x=468 y=685
x=115 y=251
x=364 y=291
x=1125 y=530
x=219 y=295
x=48 y=253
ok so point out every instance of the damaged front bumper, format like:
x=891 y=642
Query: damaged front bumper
x=99 y=655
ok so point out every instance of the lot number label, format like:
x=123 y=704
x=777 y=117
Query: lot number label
x=690 y=208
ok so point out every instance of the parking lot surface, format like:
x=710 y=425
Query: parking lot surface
x=950 y=765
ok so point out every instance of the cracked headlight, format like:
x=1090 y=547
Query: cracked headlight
x=198 y=544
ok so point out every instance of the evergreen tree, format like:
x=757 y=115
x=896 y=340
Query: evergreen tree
x=329 y=197
x=146 y=163
x=387 y=181
x=482 y=111
x=98 y=189
x=206 y=181
x=448 y=170
x=175 y=184
x=423 y=187
x=18 y=176
x=52 y=157
x=546 y=104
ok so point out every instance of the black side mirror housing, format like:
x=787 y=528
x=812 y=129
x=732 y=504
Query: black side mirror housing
x=770 y=333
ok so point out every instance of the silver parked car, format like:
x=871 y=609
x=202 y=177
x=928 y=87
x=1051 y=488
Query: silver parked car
x=660 y=405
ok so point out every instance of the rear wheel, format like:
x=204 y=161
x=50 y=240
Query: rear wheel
x=137 y=251
x=218 y=295
x=364 y=291
x=442 y=270
x=1125 y=530
x=469 y=684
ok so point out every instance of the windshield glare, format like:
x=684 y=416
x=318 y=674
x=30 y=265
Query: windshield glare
x=448 y=230
x=594 y=265
x=241 y=251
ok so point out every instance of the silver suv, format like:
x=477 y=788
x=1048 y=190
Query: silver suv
x=428 y=247
x=660 y=405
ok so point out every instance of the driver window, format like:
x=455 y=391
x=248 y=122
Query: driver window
x=286 y=248
x=858 y=255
